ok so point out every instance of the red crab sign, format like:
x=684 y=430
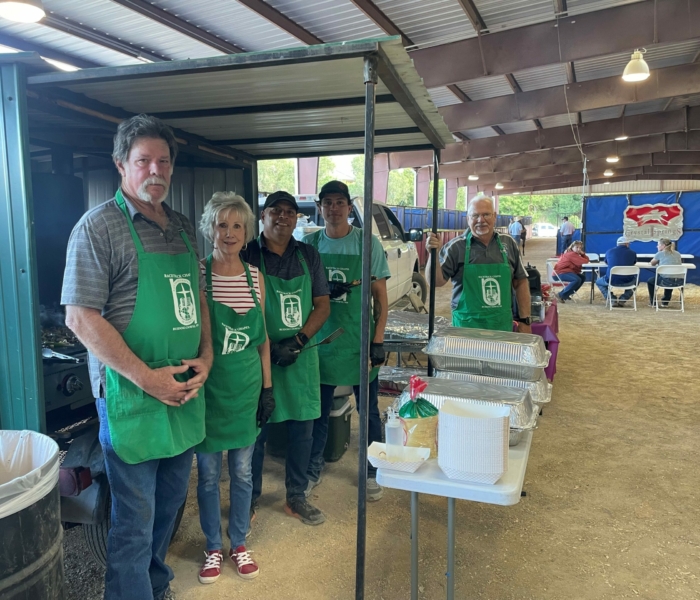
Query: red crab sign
x=651 y=222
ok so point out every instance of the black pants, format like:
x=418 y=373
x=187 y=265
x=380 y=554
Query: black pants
x=667 y=293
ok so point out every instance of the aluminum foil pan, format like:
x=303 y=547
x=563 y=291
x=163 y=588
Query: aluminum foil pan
x=396 y=378
x=523 y=412
x=540 y=390
x=405 y=325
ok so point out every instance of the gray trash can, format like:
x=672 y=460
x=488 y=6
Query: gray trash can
x=31 y=553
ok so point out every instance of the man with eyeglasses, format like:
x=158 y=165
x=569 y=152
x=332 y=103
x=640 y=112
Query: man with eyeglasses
x=340 y=246
x=484 y=268
x=296 y=306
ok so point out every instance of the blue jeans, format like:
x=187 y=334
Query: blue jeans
x=575 y=282
x=299 y=441
x=146 y=498
x=603 y=285
x=316 y=463
x=240 y=491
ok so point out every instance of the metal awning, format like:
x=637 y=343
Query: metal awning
x=284 y=103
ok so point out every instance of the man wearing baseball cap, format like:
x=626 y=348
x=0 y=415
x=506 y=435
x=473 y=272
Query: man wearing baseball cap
x=619 y=256
x=340 y=247
x=296 y=306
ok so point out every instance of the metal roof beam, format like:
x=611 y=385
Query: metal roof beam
x=599 y=33
x=282 y=21
x=314 y=136
x=573 y=183
x=473 y=15
x=381 y=20
x=597 y=93
x=99 y=38
x=180 y=25
x=20 y=44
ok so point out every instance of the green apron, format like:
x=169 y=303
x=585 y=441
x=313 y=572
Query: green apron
x=235 y=380
x=164 y=329
x=340 y=360
x=486 y=300
x=288 y=304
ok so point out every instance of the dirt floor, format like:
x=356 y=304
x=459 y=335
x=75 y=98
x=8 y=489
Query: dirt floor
x=612 y=505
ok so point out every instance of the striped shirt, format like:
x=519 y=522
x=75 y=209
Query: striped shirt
x=234 y=291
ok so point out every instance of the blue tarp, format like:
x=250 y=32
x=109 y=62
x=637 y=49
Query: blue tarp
x=603 y=225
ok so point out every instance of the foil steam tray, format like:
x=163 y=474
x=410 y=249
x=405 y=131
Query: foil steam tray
x=492 y=353
x=396 y=378
x=540 y=390
x=523 y=412
x=404 y=325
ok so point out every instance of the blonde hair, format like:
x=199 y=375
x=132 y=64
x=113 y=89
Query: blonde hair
x=223 y=202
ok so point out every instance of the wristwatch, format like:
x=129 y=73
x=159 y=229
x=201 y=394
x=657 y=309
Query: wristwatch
x=303 y=339
x=524 y=320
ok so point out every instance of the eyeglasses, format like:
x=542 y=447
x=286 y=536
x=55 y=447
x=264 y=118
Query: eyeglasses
x=477 y=216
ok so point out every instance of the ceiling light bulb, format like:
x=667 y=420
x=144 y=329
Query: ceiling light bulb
x=637 y=69
x=499 y=186
x=606 y=183
x=612 y=159
x=22 y=11
x=608 y=173
x=515 y=193
x=473 y=178
x=621 y=138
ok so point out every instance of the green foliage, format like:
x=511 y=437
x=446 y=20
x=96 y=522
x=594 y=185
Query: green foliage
x=326 y=171
x=543 y=209
x=442 y=184
x=461 y=199
x=357 y=187
x=402 y=183
x=276 y=175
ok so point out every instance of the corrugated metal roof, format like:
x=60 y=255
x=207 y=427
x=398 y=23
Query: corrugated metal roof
x=541 y=77
x=641 y=108
x=429 y=22
x=518 y=127
x=507 y=14
x=628 y=187
x=68 y=44
x=329 y=20
x=486 y=87
x=578 y=7
x=130 y=26
x=681 y=101
x=481 y=132
x=441 y=96
x=232 y=22
x=557 y=121
x=600 y=114
x=657 y=57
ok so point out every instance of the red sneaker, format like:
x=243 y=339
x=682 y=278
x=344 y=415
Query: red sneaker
x=211 y=569
x=245 y=565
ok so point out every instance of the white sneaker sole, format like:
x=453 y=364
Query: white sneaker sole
x=206 y=580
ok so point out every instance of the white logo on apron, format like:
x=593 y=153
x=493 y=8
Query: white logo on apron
x=291 y=310
x=234 y=341
x=336 y=275
x=491 y=291
x=183 y=301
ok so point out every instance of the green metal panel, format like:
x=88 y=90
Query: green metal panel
x=21 y=375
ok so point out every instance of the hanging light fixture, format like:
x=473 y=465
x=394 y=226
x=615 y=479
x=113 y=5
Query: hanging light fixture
x=22 y=11
x=637 y=69
x=499 y=186
x=608 y=173
x=621 y=138
x=612 y=159
x=606 y=183
x=473 y=178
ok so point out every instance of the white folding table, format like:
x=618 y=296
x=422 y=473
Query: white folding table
x=429 y=479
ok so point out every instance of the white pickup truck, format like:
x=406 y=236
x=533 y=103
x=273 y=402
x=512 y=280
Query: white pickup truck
x=399 y=246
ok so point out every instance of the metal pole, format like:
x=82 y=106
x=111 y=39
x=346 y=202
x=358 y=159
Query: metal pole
x=21 y=379
x=433 y=254
x=450 y=548
x=370 y=85
x=414 y=545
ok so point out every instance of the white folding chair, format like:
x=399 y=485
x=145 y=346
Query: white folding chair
x=593 y=257
x=553 y=278
x=624 y=271
x=677 y=272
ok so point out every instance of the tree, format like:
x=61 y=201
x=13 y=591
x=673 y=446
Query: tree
x=545 y=208
x=326 y=171
x=402 y=183
x=461 y=199
x=276 y=175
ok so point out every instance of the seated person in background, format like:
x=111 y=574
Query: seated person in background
x=619 y=256
x=568 y=269
x=665 y=256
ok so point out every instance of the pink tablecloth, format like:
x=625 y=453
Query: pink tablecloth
x=548 y=329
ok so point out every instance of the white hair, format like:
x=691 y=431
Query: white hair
x=223 y=202
x=479 y=198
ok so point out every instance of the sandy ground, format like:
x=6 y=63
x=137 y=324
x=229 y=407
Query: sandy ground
x=611 y=509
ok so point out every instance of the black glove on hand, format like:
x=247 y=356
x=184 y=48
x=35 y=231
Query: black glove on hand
x=376 y=354
x=285 y=352
x=266 y=404
x=338 y=288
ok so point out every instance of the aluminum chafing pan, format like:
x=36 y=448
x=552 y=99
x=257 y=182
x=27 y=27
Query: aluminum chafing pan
x=540 y=390
x=523 y=412
x=405 y=325
x=396 y=378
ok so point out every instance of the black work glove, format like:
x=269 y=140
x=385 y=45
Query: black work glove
x=376 y=354
x=338 y=288
x=285 y=352
x=266 y=404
